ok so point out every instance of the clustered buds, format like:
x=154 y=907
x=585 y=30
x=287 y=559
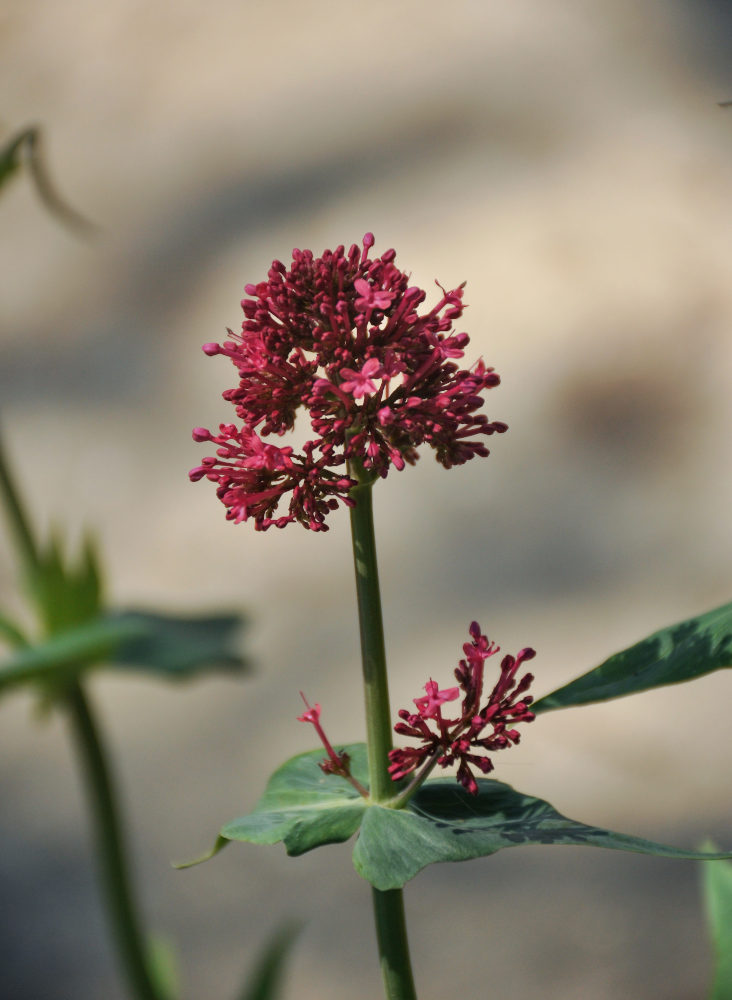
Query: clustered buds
x=465 y=740
x=342 y=337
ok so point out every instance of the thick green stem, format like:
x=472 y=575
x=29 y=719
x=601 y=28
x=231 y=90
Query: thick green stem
x=391 y=930
x=373 y=653
x=391 y=935
x=114 y=873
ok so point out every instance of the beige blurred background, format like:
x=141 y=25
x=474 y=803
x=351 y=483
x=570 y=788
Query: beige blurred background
x=568 y=160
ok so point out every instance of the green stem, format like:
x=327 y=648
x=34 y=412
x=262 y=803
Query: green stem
x=373 y=652
x=391 y=934
x=391 y=930
x=112 y=862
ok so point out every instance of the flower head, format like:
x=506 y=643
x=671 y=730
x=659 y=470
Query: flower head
x=343 y=337
x=487 y=728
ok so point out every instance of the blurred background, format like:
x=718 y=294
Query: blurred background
x=570 y=161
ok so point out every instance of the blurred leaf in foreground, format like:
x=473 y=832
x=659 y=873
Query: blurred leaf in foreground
x=718 y=899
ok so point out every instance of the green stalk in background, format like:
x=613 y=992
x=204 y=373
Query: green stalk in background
x=69 y=695
x=113 y=869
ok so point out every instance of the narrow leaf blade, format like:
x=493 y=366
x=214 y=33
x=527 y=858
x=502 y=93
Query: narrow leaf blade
x=718 y=900
x=163 y=965
x=27 y=148
x=672 y=655
x=10 y=155
x=265 y=983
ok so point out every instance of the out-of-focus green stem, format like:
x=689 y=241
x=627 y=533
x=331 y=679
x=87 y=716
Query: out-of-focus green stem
x=391 y=929
x=98 y=781
x=114 y=872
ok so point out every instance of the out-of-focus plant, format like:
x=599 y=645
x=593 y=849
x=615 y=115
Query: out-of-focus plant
x=69 y=634
x=75 y=635
x=343 y=337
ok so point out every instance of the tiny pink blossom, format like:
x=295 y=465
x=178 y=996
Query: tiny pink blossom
x=429 y=705
x=360 y=383
x=311 y=713
x=335 y=763
x=370 y=297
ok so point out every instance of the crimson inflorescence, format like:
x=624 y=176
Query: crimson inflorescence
x=342 y=337
x=487 y=728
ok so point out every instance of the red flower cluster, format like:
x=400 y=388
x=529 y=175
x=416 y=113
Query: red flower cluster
x=449 y=741
x=340 y=335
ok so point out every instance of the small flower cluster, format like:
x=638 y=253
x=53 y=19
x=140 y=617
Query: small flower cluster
x=341 y=336
x=450 y=741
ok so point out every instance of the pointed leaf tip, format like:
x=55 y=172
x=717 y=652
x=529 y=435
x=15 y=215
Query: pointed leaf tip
x=445 y=823
x=678 y=653
x=219 y=845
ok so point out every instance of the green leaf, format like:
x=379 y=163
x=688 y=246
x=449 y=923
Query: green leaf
x=63 y=656
x=718 y=900
x=176 y=646
x=303 y=807
x=10 y=156
x=66 y=592
x=266 y=981
x=26 y=149
x=164 y=645
x=678 y=653
x=219 y=845
x=11 y=632
x=445 y=823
